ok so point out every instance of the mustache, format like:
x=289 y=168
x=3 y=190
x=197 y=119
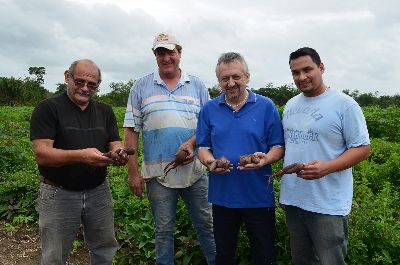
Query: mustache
x=84 y=93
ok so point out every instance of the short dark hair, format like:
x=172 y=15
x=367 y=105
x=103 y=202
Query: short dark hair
x=304 y=52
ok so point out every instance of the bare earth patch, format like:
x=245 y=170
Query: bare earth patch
x=22 y=247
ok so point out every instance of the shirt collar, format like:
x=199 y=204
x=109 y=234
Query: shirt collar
x=184 y=78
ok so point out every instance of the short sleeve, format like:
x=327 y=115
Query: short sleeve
x=43 y=122
x=133 y=114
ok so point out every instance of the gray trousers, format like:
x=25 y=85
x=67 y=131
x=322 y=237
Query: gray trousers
x=61 y=213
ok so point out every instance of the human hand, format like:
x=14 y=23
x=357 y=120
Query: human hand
x=136 y=185
x=120 y=155
x=314 y=170
x=189 y=149
x=94 y=157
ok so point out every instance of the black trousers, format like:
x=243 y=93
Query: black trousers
x=260 y=226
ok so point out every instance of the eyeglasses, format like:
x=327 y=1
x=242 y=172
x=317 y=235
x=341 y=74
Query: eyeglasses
x=80 y=83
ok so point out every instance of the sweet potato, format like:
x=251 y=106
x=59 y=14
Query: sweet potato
x=122 y=152
x=248 y=159
x=221 y=162
x=180 y=158
x=292 y=168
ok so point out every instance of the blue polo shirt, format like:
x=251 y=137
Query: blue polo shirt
x=256 y=127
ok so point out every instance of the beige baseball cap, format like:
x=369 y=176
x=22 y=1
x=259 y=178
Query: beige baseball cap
x=165 y=40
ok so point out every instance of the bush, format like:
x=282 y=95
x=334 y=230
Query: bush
x=382 y=166
x=374 y=220
x=18 y=194
x=383 y=123
x=374 y=225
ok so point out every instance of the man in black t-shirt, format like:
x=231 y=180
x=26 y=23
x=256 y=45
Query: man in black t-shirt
x=70 y=134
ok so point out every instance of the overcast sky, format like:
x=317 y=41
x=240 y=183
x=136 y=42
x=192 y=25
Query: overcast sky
x=358 y=41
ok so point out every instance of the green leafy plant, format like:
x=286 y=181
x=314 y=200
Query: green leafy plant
x=374 y=225
x=374 y=220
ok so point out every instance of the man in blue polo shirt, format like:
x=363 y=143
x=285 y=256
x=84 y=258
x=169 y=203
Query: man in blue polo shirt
x=236 y=123
x=164 y=106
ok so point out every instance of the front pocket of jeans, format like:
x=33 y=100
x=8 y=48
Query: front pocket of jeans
x=48 y=192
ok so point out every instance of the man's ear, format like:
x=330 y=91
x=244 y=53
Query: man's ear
x=322 y=67
x=247 y=78
x=66 y=75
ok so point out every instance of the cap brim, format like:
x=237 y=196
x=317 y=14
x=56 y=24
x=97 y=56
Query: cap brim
x=164 y=45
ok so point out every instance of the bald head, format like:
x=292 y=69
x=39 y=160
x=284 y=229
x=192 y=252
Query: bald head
x=86 y=62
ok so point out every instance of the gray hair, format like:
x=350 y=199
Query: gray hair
x=73 y=65
x=229 y=57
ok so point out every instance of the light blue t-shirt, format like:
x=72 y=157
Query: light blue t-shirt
x=321 y=128
x=166 y=118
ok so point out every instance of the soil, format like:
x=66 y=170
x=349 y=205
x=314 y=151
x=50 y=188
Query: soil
x=21 y=245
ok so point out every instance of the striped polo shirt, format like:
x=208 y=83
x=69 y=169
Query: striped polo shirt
x=166 y=118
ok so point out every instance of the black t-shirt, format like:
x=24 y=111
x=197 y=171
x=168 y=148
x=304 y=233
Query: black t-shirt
x=71 y=128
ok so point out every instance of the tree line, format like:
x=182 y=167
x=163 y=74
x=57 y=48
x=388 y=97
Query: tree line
x=29 y=91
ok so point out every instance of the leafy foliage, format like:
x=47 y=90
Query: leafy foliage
x=29 y=91
x=279 y=95
x=118 y=95
x=214 y=91
x=374 y=230
x=374 y=220
x=383 y=122
x=61 y=88
x=18 y=92
x=372 y=99
x=39 y=72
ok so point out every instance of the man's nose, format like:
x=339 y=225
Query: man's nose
x=302 y=76
x=231 y=82
x=166 y=57
x=85 y=87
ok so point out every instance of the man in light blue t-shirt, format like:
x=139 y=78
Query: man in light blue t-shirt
x=325 y=130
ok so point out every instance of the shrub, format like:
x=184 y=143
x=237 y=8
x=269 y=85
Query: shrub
x=18 y=194
x=374 y=225
x=383 y=123
x=374 y=220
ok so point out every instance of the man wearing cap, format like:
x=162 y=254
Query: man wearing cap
x=164 y=106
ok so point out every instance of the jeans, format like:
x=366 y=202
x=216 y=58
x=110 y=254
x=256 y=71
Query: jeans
x=61 y=213
x=317 y=238
x=260 y=226
x=163 y=203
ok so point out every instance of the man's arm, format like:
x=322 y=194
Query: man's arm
x=352 y=156
x=47 y=155
x=206 y=157
x=136 y=182
x=192 y=141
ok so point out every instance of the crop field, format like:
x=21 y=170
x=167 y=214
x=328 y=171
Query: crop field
x=374 y=220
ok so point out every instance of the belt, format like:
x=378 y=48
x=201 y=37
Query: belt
x=48 y=182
